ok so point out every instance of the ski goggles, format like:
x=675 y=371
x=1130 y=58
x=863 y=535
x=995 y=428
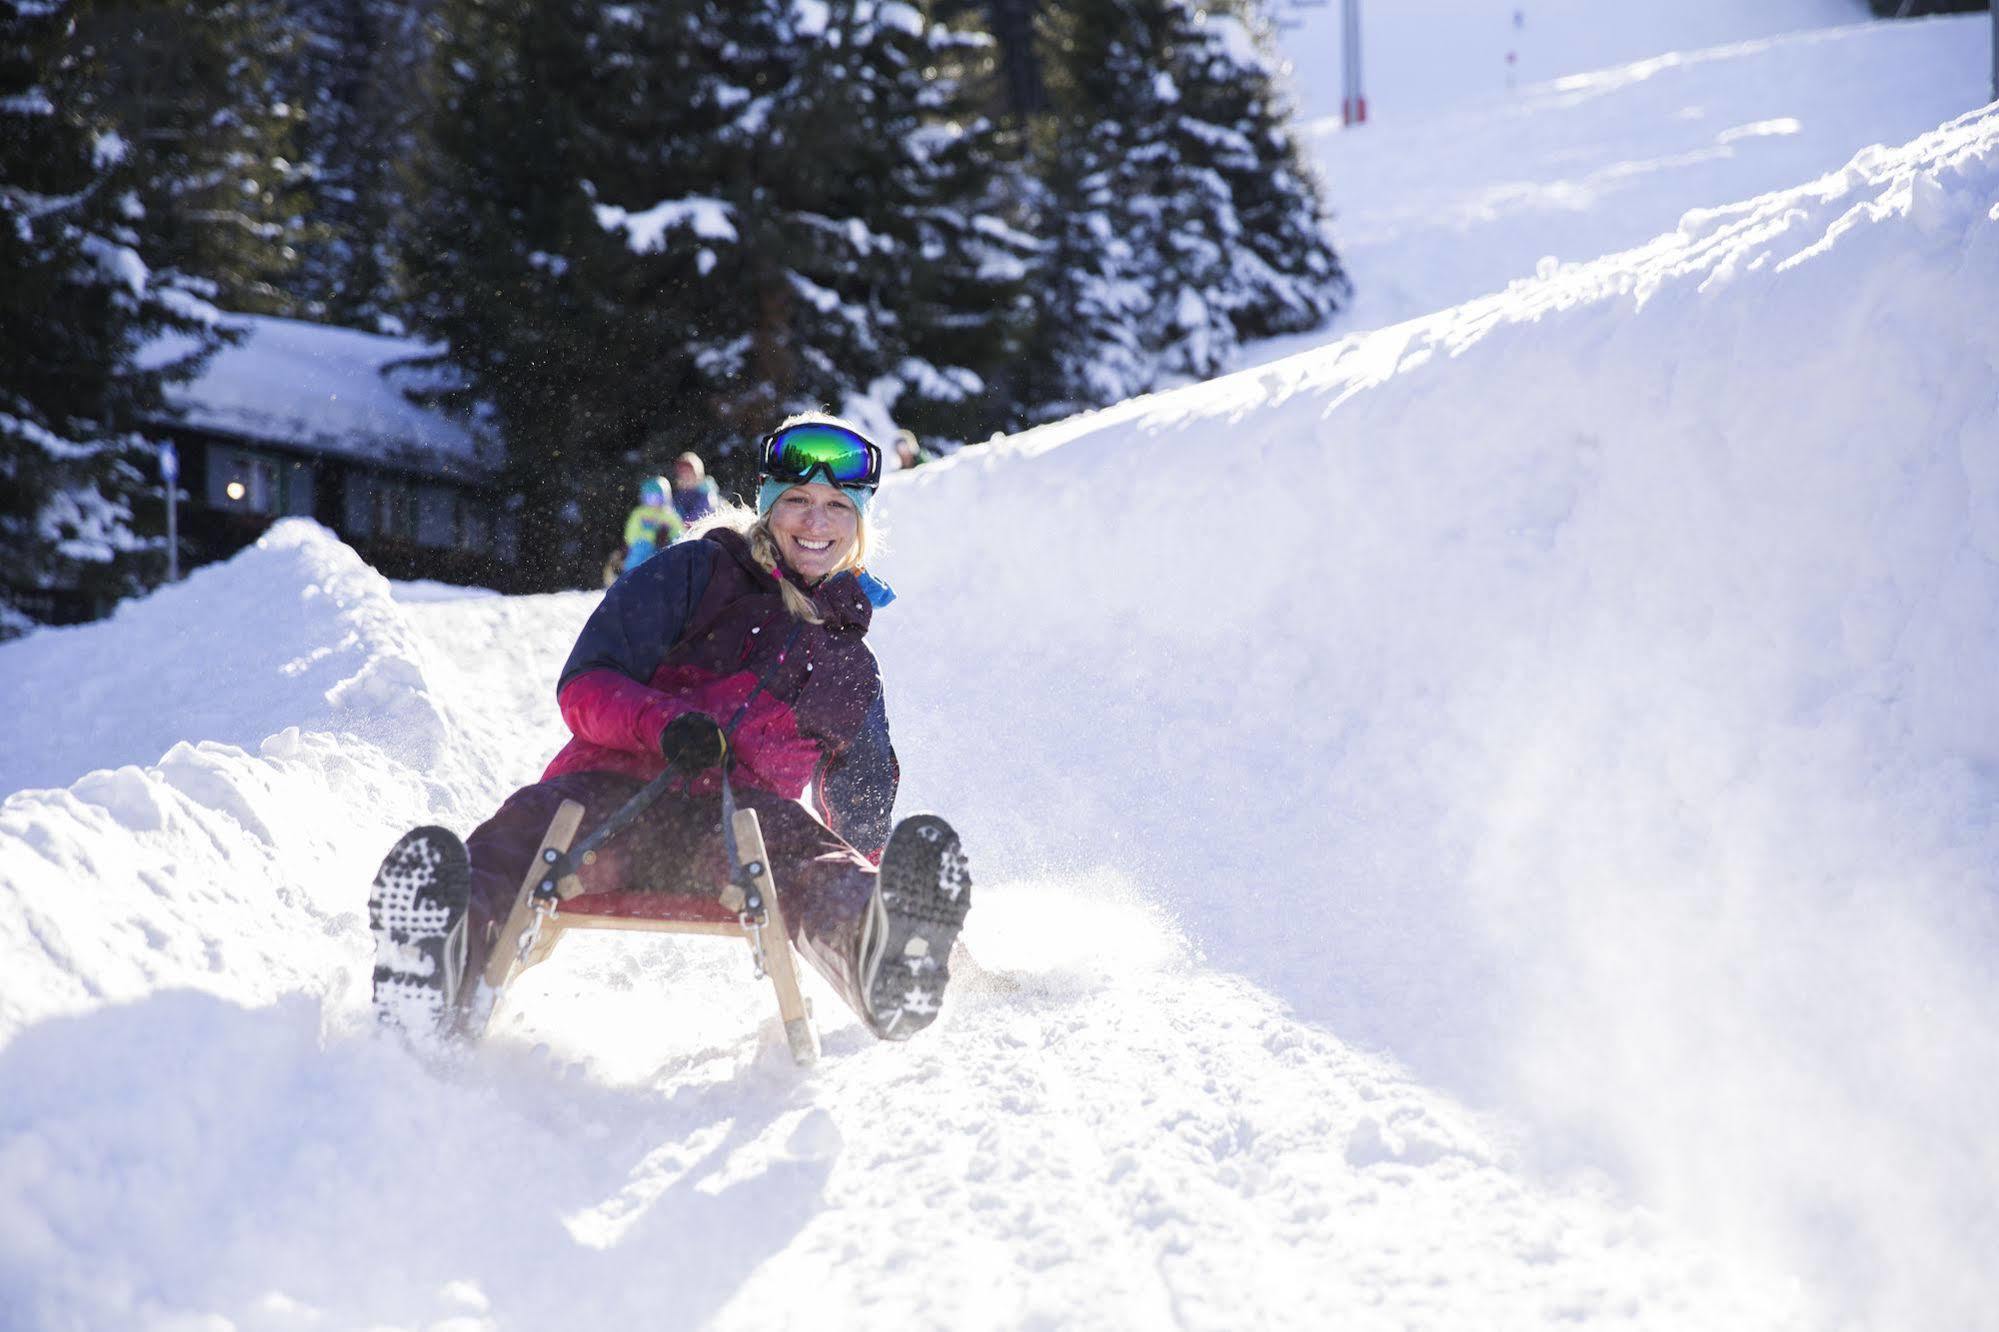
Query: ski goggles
x=796 y=454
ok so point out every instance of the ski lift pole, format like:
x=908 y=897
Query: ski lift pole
x=170 y=475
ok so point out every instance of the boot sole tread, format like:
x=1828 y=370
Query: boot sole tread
x=923 y=897
x=417 y=899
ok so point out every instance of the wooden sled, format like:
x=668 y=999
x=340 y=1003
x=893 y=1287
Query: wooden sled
x=535 y=927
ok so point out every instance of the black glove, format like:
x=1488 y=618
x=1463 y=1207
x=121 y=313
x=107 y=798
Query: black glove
x=692 y=742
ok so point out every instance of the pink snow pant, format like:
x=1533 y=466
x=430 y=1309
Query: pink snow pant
x=676 y=848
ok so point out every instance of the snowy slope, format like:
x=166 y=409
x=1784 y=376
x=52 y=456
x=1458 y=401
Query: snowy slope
x=1572 y=746
x=1433 y=209
x=1584 y=696
x=1109 y=1135
x=1420 y=57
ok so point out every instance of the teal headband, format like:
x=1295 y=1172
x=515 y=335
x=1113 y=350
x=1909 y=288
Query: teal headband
x=768 y=492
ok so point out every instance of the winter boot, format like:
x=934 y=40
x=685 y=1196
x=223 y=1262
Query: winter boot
x=417 y=911
x=919 y=906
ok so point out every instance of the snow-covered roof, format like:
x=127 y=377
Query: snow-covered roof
x=329 y=390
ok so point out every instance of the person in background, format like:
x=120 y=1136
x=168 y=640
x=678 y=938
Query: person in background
x=653 y=525
x=694 y=493
x=909 y=453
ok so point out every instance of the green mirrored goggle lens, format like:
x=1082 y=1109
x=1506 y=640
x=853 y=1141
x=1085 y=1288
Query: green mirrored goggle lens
x=804 y=451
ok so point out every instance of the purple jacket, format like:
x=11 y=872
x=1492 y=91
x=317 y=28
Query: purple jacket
x=694 y=629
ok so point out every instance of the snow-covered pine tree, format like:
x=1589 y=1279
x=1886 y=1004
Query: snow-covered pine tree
x=1179 y=218
x=665 y=224
x=507 y=263
x=1017 y=93
x=1278 y=273
x=1112 y=186
x=885 y=275
x=80 y=301
x=194 y=86
x=359 y=69
x=964 y=310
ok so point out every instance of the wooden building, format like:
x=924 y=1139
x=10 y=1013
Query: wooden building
x=327 y=423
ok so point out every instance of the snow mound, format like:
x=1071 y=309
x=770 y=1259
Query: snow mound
x=294 y=631
x=327 y=725
x=217 y=869
x=1580 y=692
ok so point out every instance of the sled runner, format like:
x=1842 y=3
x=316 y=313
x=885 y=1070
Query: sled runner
x=552 y=902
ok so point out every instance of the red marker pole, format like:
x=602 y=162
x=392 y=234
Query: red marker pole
x=1359 y=87
x=1346 y=62
x=1353 y=99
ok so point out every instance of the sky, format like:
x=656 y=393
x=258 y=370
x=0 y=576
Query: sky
x=1517 y=851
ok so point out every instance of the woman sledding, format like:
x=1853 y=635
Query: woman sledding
x=744 y=647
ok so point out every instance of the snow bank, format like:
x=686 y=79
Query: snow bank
x=323 y=724
x=1582 y=692
x=293 y=631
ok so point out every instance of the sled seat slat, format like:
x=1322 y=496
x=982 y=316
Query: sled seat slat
x=661 y=913
x=582 y=920
x=649 y=906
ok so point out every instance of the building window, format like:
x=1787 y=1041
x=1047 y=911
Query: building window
x=244 y=482
x=436 y=517
x=475 y=526
x=394 y=509
x=357 y=521
x=298 y=489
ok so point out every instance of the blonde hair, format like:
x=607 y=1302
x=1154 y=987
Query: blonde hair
x=763 y=549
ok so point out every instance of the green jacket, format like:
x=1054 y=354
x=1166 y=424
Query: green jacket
x=656 y=524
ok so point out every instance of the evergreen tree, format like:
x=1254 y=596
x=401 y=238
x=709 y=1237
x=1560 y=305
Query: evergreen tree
x=1019 y=94
x=359 y=70
x=194 y=87
x=505 y=239
x=665 y=225
x=1277 y=272
x=1179 y=219
x=881 y=265
x=80 y=303
x=1113 y=185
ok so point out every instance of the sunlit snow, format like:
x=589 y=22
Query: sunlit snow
x=1485 y=822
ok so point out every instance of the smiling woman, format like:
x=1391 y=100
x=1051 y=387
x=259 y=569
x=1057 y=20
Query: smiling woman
x=736 y=659
x=817 y=530
x=818 y=478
